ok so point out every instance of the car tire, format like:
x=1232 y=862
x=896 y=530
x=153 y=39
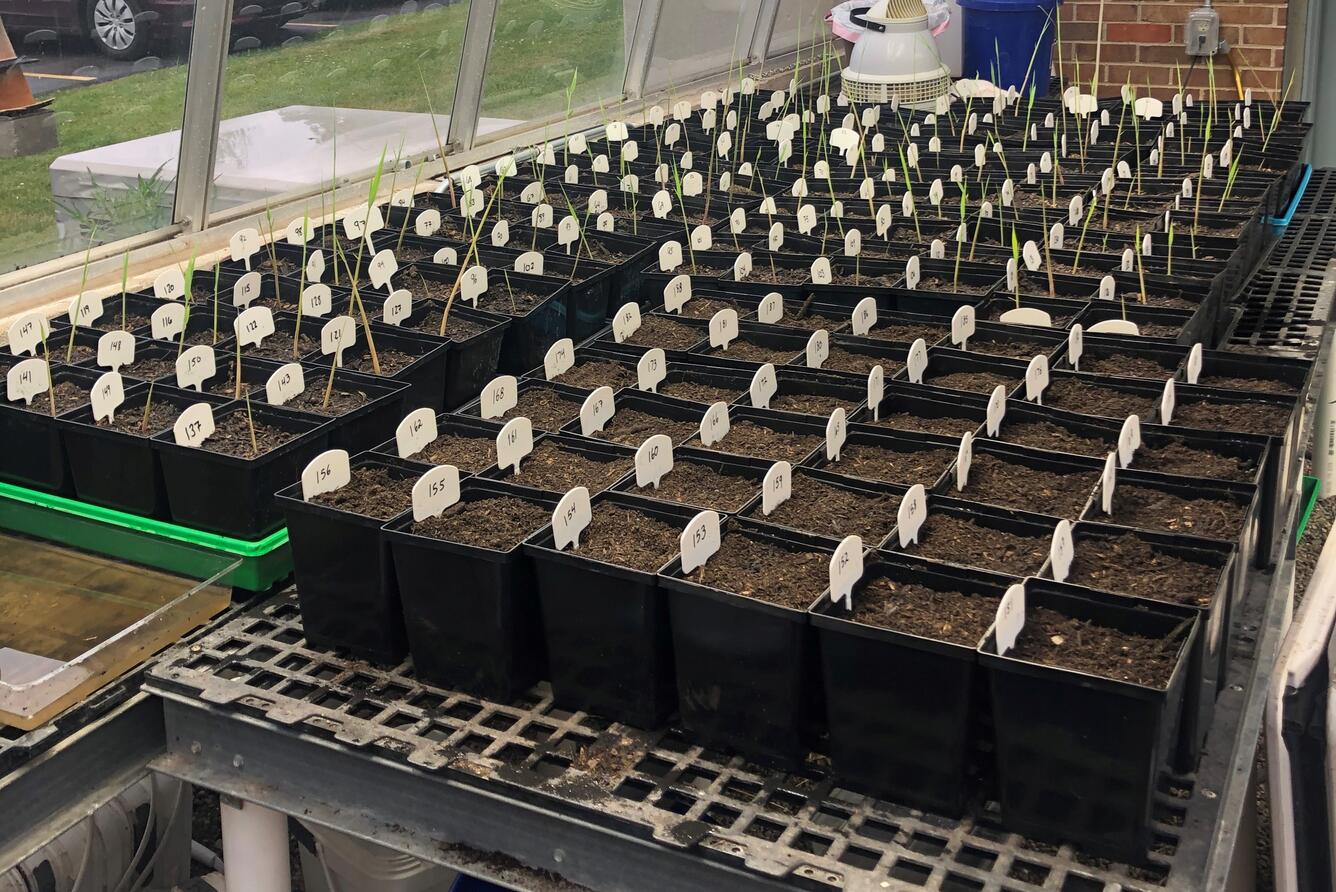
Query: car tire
x=118 y=29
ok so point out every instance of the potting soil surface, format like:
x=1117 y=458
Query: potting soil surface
x=694 y=483
x=783 y=275
x=706 y=307
x=909 y=332
x=152 y=368
x=1093 y=399
x=371 y=492
x=130 y=418
x=700 y=391
x=1016 y=348
x=511 y=301
x=456 y=329
x=598 y=373
x=68 y=395
x=660 y=331
x=1051 y=639
x=1047 y=435
x=892 y=465
x=391 y=362
x=545 y=407
x=959 y=540
x=341 y=400
x=278 y=345
x=854 y=362
x=813 y=321
x=759 y=441
x=981 y=381
x=947 y=285
x=1130 y=565
x=748 y=351
x=917 y=609
x=1146 y=508
x=1172 y=301
x=1246 y=417
x=232 y=435
x=558 y=468
x=810 y=403
x=496 y=522
x=113 y=321
x=1124 y=364
x=1261 y=385
x=471 y=454
x=947 y=425
x=80 y=353
x=1176 y=457
x=1062 y=493
x=629 y=538
x=745 y=566
x=823 y=509
x=632 y=427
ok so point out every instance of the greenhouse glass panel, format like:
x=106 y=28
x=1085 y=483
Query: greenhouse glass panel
x=799 y=23
x=695 y=40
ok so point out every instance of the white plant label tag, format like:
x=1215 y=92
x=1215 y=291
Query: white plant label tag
x=699 y=540
x=964 y=457
x=997 y=409
x=1030 y=254
x=737 y=222
x=913 y=511
x=435 y=491
x=1107 y=288
x=530 y=263
x=775 y=239
x=670 y=256
x=917 y=361
x=168 y=321
x=818 y=348
x=85 y=310
x=935 y=192
x=1061 y=550
x=513 y=443
x=651 y=369
x=541 y=216
x=499 y=396
x=678 y=290
x=723 y=328
x=1128 y=261
x=558 y=359
x=26 y=379
x=763 y=386
x=937 y=250
x=1167 y=400
x=1031 y=175
x=195 y=425
x=876 y=390
x=500 y=234
x=532 y=193
x=597 y=411
x=243 y=244
x=473 y=284
x=170 y=284
x=714 y=426
x=577 y=144
x=253 y=325
x=1129 y=440
x=27 y=333
x=962 y=326
x=1010 y=619
x=912 y=273
x=702 y=239
x=626 y=322
x=606 y=222
x=692 y=184
x=570 y=518
x=1036 y=379
x=1075 y=346
x=316 y=300
x=1115 y=326
x=195 y=366
x=382 y=267
x=661 y=204
x=771 y=308
x=246 y=289
x=398 y=307
x=286 y=382
x=337 y=335
x=1194 y=363
x=1056 y=234
x=776 y=487
x=299 y=231
x=884 y=220
x=837 y=431
x=446 y=257
x=427 y=222
x=821 y=271
x=864 y=316
x=806 y=219
x=327 y=472
x=414 y=433
x=1108 y=481
x=846 y=568
x=115 y=349
x=571 y=176
x=654 y=459
x=742 y=266
x=1013 y=276
x=568 y=231
x=107 y=395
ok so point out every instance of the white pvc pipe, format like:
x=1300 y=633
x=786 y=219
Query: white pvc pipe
x=1324 y=428
x=255 y=848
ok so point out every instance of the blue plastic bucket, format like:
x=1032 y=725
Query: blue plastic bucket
x=1001 y=36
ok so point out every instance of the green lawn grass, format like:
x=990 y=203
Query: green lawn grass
x=373 y=64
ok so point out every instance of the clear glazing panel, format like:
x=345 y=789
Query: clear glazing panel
x=698 y=39
x=799 y=23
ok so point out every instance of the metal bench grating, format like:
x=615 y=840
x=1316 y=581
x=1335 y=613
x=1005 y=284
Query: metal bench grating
x=1307 y=244
x=1320 y=196
x=1284 y=309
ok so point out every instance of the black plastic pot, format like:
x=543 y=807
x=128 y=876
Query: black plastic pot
x=34 y=446
x=425 y=376
x=582 y=355
x=948 y=361
x=1038 y=459
x=743 y=665
x=665 y=407
x=1005 y=520
x=345 y=579
x=890 y=356
x=447 y=425
x=1021 y=411
x=783 y=340
x=1063 y=312
x=1291 y=375
x=1098 y=346
x=527 y=385
x=721 y=376
x=891 y=440
x=606 y=626
x=121 y=470
x=141 y=304
x=363 y=426
x=234 y=496
x=901 y=396
x=902 y=732
x=753 y=469
x=589 y=281
x=1079 y=755
x=1191 y=326
x=755 y=510
x=471 y=613
x=1147 y=392
x=473 y=361
x=779 y=422
x=594 y=450
x=1002 y=341
x=797 y=381
x=624 y=282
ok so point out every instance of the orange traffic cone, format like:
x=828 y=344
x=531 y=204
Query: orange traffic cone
x=14 y=93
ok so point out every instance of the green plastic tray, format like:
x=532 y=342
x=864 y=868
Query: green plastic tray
x=142 y=540
x=1308 y=498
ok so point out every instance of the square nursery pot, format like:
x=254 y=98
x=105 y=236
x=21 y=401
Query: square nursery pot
x=938 y=278
x=234 y=496
x=905 y=731
x=120 y=469
x=950 y=370
x=1154 y=323
x=746 y=668
x=830 y=526
x=884 y=281
x=589 y=281
x=138 y=312
x=628 y=255
x=452 y=426
x=530 y=388
x=675 y=335
x=341 y=565
x=1289 y=376
x=609 y=644
x=592 y=367
x=755 y=345
x=1002 y=558
x=750 y=472
x=701 y=383
x=474 y=358
x=471 y=612
x=365 y=424
x=681 y=418
x=926 y=456
x=1079 y=755
x=1063 y=432
x=815 y=392
x=780 y=423
x=1069 y=503
x=1208 y=661
x=1101 y=396
x=34 y=443
x=791 y=277
x=1123 y=356
x=1011 y=341
x=853 y=357
x=617 y=459
x=1062 y=311
x=912 y=408
x=418 y=362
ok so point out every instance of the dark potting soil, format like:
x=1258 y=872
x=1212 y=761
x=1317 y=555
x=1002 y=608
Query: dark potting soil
x=1158 y=330
x=470 y=454
x=946 y=537
x=1124 y=364
x=893 y=466
x=457 y=328
x=391 y=362
x=371 y=492
x=341 y=401
x=1251 y=418
x=68 y=396
x=151 y=369
x=232 y=436
x=817 y=507
x=706 y=307
x=287 y=266
x=1092 y=399
x=599 y=373
x=1260 y=385
x=999 y=482
x=206 y=336
x=983 y=381
x=759 y=441
x=809 y=403
x=785 y=275
x=499 y=523
x=279 y=344
x=945 y=284
x=909 y=332
x=553 y=467
x=699 y=391
x=660 y=331
x=599 y=251
x=756 y=569
x=632 y=427
x=131 y=420
x=749 y=352
x=629 y=538
x=111 y=320
x=693 y=483
x=947 y=425
x=841 y=360
x=1014 y=348
x=547 y=409
x=812 y=321
x=1051 y=639
x=916 y=609
x=1047 y=435
x=1153 y=509
x=1159 y=300
x=512 y=301
x=1176 y=457
x=79 y=353
x=1130 y=565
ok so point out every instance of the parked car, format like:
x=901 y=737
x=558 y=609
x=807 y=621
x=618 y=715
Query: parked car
x=125 y=29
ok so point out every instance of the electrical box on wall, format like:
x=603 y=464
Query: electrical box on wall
x=1202 y=34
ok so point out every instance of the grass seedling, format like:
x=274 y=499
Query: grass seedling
x=1090 y=212
x=566 y=118
x=250 y=422
x=50 y=384
x=682 y=206
x=190 y=279
x=408 y=211
x=1201 y=181
x=273 y=251
x=1141 y=271
x=1016 y=259
x=1229 y=181
x=1048 y=256
x=83 y=283
x=125 y=280
x=301 y=286
x=1169 y=261
x=440 y=144
x=464 y=263
x=904 y=165
x=355 y=271
x=216 y=270
x=148 y=405
x=1275 y=112
x=964 y=193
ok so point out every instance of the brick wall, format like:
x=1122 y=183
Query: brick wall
x=1144 y=40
